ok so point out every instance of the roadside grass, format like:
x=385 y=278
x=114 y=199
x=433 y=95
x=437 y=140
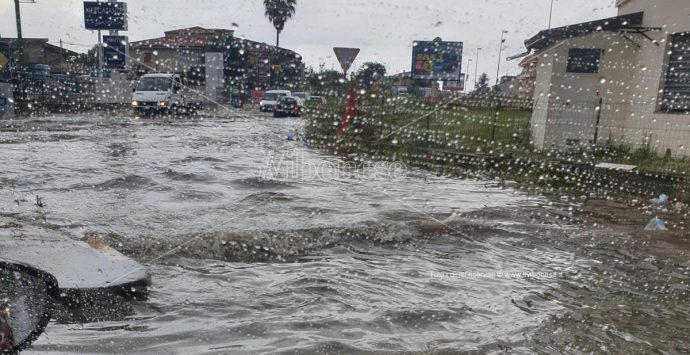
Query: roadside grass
x=410 y=130
x=412 y=127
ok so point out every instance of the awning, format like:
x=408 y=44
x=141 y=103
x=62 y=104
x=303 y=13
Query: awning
x=547 y=38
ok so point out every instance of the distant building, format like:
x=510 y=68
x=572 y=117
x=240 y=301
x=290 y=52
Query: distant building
x=456 y=86
x=622 y=81
x=528 y=77
x=177 y=51
x=400 y=83
x=182 y=50
x=39 y=51
x=509 y=86
x=507 y=79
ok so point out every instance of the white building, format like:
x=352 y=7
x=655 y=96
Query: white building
x=635 y=66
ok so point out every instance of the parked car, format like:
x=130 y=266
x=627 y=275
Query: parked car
x=271 y=98
x=316 y=102
x=302 y=95
x=288 y=106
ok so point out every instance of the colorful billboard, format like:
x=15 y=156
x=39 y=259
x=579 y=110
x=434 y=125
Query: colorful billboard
x=436 y=60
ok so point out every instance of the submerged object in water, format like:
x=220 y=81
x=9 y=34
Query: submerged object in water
x=656 y=224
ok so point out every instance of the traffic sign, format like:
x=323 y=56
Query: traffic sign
x=115 y=52
x=4 y=54
x=346 y=56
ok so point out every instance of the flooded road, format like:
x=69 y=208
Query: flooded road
x=257 y=243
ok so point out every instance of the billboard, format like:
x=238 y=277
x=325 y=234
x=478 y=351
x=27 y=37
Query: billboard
x=114 y=52
x=263 y=67
x=105 y=15
x=436 y=60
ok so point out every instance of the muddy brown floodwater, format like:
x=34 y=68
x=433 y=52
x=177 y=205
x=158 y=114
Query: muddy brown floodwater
x=259 y=244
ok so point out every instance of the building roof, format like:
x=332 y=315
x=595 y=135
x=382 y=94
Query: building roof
x=186 y=37
x=198 y=37
x=531 y=59
x=547 y=38
x=404 y=74
x=42 y=42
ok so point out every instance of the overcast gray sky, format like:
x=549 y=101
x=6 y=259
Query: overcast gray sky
x=384 y=29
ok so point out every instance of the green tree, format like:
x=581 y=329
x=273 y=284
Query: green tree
x=370 y=73
x=279 y=12
x=325 y=81
x=88 y=59
x=286 y=70
x=482 y=84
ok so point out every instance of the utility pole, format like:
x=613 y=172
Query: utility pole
x=476 y=69
x=550 y=14
x=100 y=45
x=20 y=45
x=62 y=57
x=100 y=53
x=467 y=76
x=113 y=32
x=500 y=52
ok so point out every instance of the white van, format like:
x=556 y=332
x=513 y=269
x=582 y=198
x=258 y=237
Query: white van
x=271 y=98
x=163 y=93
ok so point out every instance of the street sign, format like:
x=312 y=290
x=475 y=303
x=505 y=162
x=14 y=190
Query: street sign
x=3 y=60
x=346 y=56
x=105 y=15
x=436 y=60
x=115 y=52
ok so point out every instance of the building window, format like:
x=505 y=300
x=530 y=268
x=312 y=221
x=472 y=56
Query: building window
x=147 y=57
x=584 y=60
x=676 y=92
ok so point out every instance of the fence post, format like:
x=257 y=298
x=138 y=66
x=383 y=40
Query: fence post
x=596 y=125
x=493 y=128
x=428 y=128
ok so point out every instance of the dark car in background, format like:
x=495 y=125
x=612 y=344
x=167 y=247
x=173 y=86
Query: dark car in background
x=288 y=106
x=316 y=102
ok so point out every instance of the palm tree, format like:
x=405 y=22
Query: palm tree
x=278 y=12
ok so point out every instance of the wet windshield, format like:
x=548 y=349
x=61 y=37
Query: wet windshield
x=338 y=177
x=154 y=84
